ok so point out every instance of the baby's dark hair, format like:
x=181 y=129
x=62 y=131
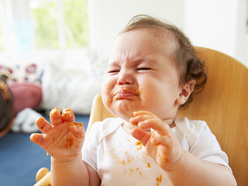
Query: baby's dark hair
x=184 y=55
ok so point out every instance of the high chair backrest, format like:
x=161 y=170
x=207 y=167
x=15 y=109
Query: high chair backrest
x=223 y=105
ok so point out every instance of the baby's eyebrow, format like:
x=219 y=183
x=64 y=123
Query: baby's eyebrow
x=147 y=62
x=113 y=64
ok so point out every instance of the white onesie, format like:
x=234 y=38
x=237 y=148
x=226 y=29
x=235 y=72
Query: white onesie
x=121 y=160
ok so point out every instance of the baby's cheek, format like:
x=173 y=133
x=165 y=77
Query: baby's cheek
x=146 y=93
x=106 y=99
x=106 y=94
x=108 y=102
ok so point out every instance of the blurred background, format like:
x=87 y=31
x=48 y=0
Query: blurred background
x=54 y=54
x=28 y=28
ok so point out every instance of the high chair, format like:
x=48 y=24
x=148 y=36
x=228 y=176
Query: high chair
x=223 y=105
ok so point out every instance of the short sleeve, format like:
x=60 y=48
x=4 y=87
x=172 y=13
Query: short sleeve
x=202 y=142
x=207 y=147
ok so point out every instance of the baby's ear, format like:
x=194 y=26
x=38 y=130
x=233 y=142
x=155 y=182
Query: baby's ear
x=186 y=89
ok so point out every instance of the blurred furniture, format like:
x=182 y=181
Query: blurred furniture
x=222 y=104
x=6 y=106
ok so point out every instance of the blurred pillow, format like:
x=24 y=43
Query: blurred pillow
x=26 y=95
x=63 y=90
x=29 y=72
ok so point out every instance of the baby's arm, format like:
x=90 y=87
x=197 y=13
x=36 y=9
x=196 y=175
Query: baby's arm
x=63 y=140
x=183 y=168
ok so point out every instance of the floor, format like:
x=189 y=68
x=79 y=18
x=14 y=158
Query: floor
x=20 y=159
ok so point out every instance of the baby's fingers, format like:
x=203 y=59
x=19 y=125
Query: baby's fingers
x=140 y=135
x=77 y=129
x=142 y=113
x=55 y=116
x=43 y=125
x=68 y=115
x=157 y=139
x=36 y=138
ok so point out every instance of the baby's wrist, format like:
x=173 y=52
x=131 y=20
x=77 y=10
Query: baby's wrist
x=178 y=163
x=66 y=160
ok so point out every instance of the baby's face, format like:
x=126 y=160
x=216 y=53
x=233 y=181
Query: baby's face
x=141 y=76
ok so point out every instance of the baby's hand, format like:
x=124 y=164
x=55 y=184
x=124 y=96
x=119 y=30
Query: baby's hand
x=64 y=138
x=161 y=143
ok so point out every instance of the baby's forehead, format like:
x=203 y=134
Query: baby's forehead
x=134 y=61
x=166 y=37
x=162 y=40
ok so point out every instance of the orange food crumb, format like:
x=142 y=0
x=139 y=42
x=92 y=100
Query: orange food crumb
x=65 y=117
x=159 y=180
x=123 y=162
x=81 y=124
x=69 y=144
x=148 y=165
x=165 y=159
x=130 y=160
x=139 y=144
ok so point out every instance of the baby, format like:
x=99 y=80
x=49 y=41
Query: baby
x=152 y=72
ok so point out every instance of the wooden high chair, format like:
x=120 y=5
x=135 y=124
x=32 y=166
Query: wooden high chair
x=223 y=105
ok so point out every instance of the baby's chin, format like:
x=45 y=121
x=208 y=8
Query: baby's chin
x=124 y=116
x=123 y=110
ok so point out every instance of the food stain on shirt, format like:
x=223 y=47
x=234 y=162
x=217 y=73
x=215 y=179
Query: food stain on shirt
x=134 y=172
x=148 y=165
x=158 y=180
x=139 y=145
x=130 y=172
x=123 y=162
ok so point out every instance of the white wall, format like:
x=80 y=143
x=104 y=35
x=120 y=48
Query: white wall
x=212 y=23
x=108 y=17
x=217 y=24
x=242 y=33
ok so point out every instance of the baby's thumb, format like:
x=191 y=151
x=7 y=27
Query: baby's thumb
x=77 y=129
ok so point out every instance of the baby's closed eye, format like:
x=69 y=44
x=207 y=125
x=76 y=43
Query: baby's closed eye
x=113 y=71
x=144 y=68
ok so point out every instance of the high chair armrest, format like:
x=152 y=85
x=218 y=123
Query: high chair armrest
x=43 y=177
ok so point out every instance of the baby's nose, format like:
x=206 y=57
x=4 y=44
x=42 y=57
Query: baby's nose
x=125 y=77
